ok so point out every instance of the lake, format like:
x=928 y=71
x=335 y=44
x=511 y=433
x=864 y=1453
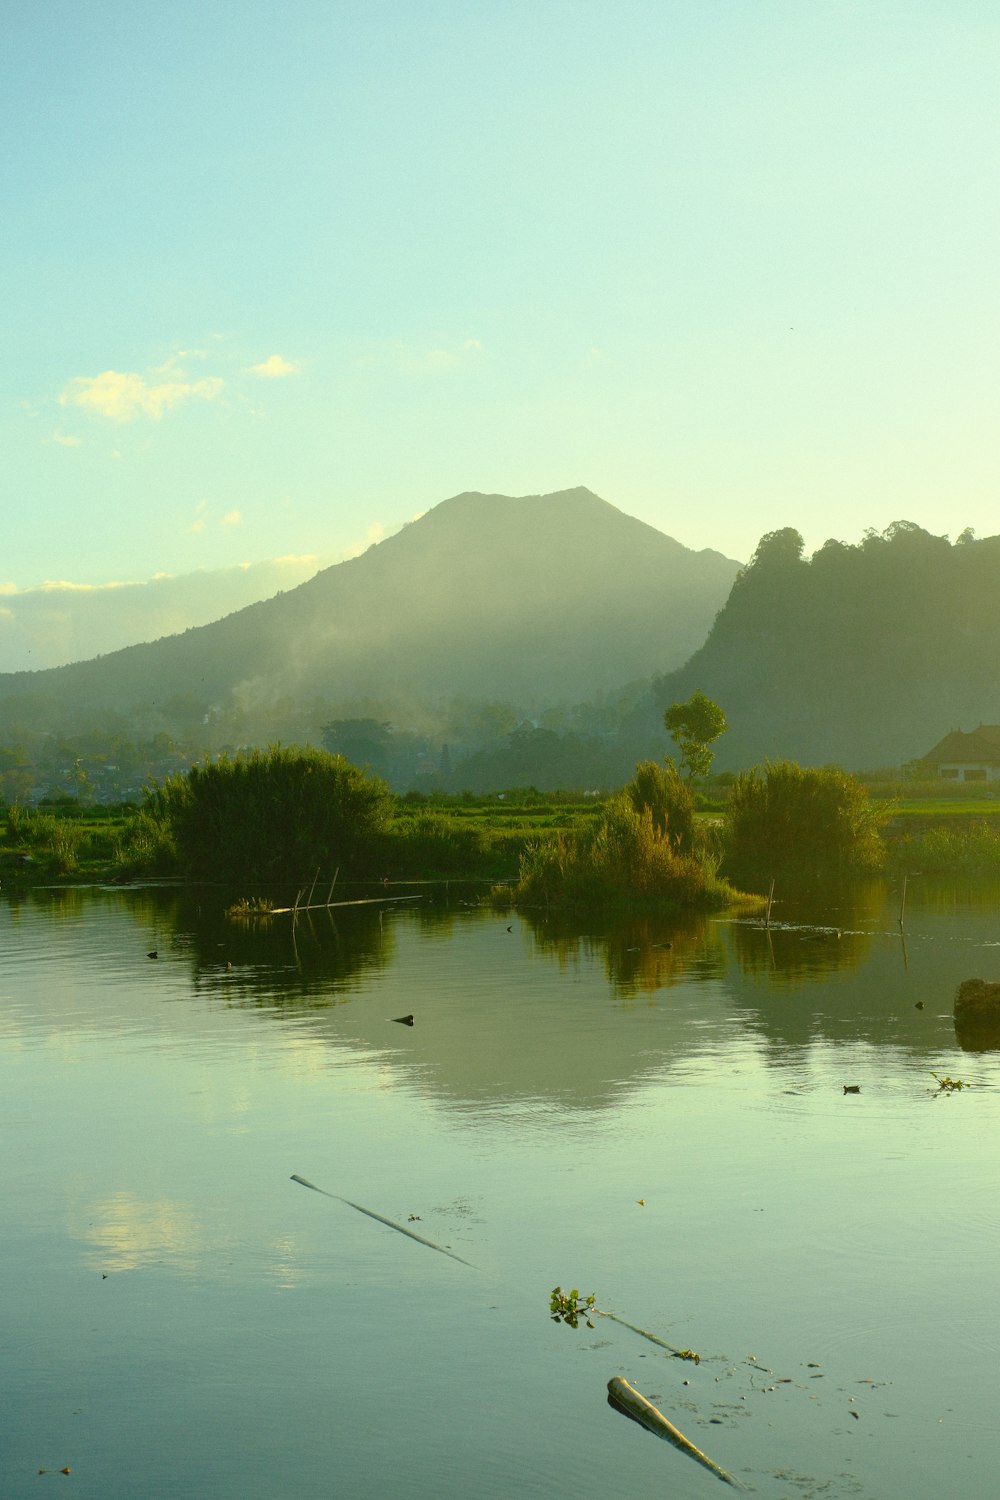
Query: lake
x=654 y=1113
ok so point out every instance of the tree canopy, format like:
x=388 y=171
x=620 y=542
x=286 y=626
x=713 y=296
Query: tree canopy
x=693 y=727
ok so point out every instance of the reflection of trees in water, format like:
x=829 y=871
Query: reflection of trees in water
x=640 y=955
x=816 y=930
x=948 y=894
x=273 y=962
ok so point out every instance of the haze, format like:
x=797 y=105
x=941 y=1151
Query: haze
x=280 y=280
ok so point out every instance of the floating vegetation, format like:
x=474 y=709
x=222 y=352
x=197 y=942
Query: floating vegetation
x=949 y=1085
x=570 y=1307
x=566 y=1307
x=252 y=909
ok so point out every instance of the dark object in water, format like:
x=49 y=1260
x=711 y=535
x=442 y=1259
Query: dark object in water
x=401 y=1228
x=152 y=954
x=404 y=1020
x=919 y=1005
x=977 y=1015
x=631 y=1403
x=977 y=1000
x=852 y=1088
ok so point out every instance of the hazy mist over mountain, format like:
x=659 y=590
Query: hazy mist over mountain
x=534 y=599
x=61 y=622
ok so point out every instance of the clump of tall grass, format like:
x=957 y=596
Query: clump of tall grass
x=146 y=845
x=432 y=843
x=272 y=815
x=631 y=856
x=53 y=840
x=972 y=850
x=783 y=816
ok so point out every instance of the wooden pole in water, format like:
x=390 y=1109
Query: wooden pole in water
x=770 y=901
x=635 y=1405
x=902 y=904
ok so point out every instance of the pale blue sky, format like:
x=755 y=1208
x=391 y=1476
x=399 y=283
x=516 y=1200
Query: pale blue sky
x=279 y=277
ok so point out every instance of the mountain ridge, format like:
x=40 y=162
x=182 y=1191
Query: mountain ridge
x=532 y=598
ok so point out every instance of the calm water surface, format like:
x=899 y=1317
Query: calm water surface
x=654 y=1113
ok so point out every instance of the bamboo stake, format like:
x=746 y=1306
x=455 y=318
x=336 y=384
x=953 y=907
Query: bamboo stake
x=770 y=901
x=627 y=1399
x=902 y=904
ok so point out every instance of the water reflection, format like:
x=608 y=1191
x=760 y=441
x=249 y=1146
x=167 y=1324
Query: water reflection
x=639 y=955
x=834 y=967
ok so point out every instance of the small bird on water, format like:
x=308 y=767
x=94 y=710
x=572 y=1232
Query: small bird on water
x=852 y=1088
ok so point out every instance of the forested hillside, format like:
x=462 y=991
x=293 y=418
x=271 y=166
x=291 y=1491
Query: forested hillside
x=864 y=655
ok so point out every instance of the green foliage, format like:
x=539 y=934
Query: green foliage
x=567 y=1307
x=624 y=857
x=973 y=849
x=669 y=800
x=949 y=1085
x=54 y=841
x=785 y=816
x=273 y=814
x=146 y=845
x=693 y=726
x=437 y=843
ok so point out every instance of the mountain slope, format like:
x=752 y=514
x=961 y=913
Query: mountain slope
x=535 y=599
x=862 y=655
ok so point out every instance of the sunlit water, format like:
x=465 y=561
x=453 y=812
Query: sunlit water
x=655 y=1114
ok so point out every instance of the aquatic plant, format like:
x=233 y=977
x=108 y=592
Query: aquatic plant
x=949 y=1085
x=624 y=858
x=567 y=1307
x=784 y=816
x=272 y=815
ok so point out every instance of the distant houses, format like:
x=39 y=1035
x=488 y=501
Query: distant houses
x=967 y=757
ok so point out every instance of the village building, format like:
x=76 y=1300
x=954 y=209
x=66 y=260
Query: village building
x=968 y=757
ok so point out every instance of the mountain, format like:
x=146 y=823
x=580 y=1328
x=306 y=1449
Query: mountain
x=535 y=599
x=864 y=656
x=57 y=623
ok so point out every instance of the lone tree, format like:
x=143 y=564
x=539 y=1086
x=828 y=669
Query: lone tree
x=693 y=726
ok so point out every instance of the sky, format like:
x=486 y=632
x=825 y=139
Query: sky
x=278 y=279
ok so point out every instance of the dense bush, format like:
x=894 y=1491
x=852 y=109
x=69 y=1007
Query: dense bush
x=631 y=855
x=785 y=816
x=669 y=799
x=275 y=814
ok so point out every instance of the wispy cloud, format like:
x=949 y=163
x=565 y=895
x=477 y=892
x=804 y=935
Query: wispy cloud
x=121 y=396
x=65 y=440
x=274 y=368
x=198 y=524
x=438 y=361
x=231 y=518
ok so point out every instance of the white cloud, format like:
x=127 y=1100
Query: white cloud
x=375 y=533
x=231 y=518
x=274 y=368
x=121 y=396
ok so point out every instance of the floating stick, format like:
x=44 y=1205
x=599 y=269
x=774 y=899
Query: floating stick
x=401 y=1228
x=631 y=1403
x=653 y=1339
